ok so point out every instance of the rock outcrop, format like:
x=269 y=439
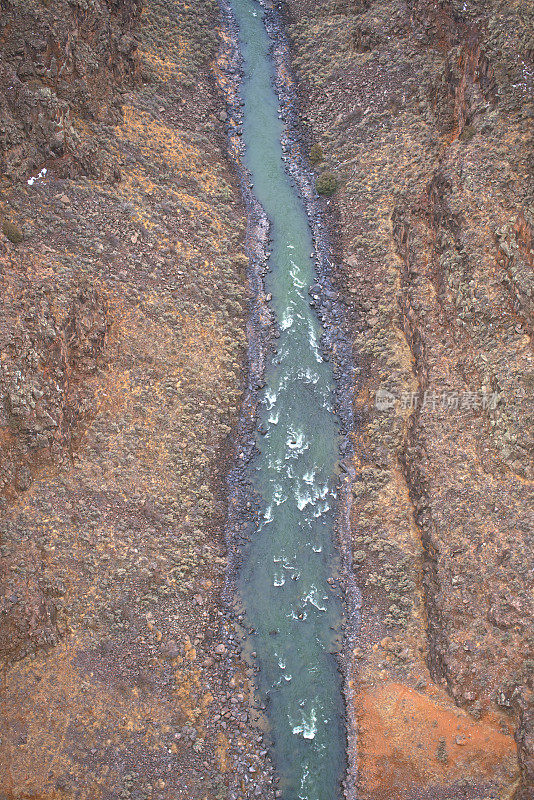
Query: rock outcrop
x=63 y=66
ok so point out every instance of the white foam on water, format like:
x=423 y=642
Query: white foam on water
x=317 y=548
x=283 y=383
x=294 y=271
x=278 y=496
x=309 y=476
x=310 y=498
x=270 y=397
x=287 y=319
x=313 y=599
x=303 y=500
x=296 y=442
x=268 y=516
x=276 y=464
x=308 y=727
x=274 y=417
x=322 y=508
x=303 y=782
x=312 y=338
x=309 y=376
x=282 y=678
x=290 y=567
x=279 y=580
x=323 y=492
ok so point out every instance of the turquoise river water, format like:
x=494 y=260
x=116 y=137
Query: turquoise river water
x=283 y=581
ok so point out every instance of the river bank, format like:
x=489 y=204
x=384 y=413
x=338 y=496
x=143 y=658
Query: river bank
x=262 y=335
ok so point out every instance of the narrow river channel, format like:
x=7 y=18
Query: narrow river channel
x=284 y=579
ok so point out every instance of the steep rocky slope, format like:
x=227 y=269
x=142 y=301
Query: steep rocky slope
x=122 y=343
x=62 y=62
x=423 y=112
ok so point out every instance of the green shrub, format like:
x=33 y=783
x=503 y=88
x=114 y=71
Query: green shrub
x=316 y=154
x=13 y=233
x=326 y=183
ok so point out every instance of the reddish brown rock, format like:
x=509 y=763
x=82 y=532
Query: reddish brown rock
x=415 y=744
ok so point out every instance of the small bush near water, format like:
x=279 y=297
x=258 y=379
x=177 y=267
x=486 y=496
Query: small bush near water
x=326 y=183
x=316 y=154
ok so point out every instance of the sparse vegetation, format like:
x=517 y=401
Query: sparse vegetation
x=316 y=154
x=13 y=233
x=327 y=183
x=467 y=133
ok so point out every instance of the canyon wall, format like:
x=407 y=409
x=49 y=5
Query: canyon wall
x=62 y=62
x=422 y=112
x=124 y=296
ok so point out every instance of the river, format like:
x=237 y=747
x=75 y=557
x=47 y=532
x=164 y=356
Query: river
x=285 y=580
